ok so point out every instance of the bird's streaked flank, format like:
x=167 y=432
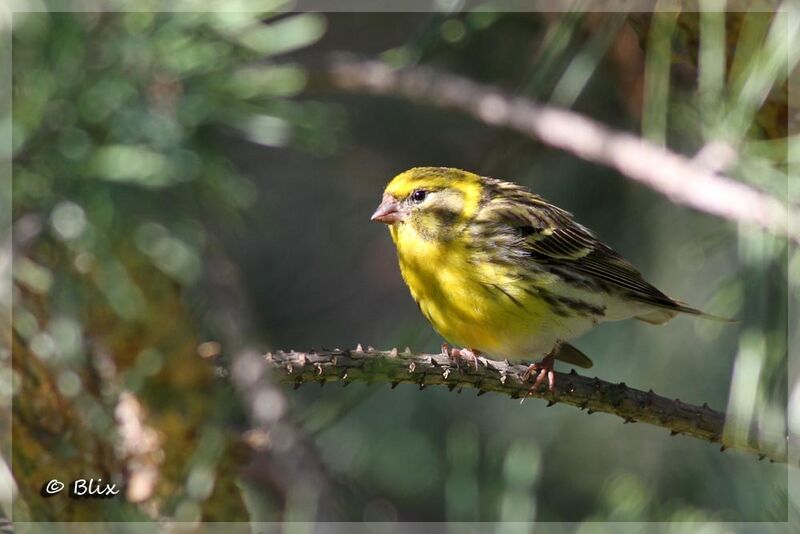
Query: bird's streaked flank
x=497 y=269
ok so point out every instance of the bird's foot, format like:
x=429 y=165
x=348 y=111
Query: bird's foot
x=459 y=355
x=540 y=371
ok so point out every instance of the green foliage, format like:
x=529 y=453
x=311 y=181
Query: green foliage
x=122 y=123
x=119 y=126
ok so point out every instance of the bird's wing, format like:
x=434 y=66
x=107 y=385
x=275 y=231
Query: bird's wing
x=519 y=225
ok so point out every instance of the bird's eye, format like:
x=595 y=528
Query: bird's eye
x=419 y=195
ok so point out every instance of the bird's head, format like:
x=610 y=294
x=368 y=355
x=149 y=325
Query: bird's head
x=433 y=201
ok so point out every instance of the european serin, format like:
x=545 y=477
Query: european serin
x=497 y=269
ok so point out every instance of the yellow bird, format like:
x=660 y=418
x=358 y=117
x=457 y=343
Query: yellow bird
x=497 y=269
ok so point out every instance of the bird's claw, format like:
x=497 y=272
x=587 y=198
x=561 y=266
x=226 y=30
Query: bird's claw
x=541 y=370
x=458 y=355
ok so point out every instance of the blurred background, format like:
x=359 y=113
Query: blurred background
x=187 y=189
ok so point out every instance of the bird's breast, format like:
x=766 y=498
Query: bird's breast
x=473 y=304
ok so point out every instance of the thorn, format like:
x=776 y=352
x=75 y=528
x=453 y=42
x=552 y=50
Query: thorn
x=706 y=406
x=623 y=385
x=359 y=348
x=422 y=385
x=394 y=385
x=451 y=387
x=550 y=403
x=393 y=352
x=590 y=412
x=761 y=457
x=411 y=367
x=480 y=392
x=674 y=433
x=651 y=392
x=722 y=448
x=407 y=352
x=573 y=372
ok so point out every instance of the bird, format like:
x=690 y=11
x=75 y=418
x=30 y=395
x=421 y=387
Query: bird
x=498 y=270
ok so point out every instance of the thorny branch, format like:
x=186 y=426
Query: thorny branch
x=590 y=394
x=685 y=181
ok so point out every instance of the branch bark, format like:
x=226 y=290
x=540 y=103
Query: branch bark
x=681 y=179
x=591 y=394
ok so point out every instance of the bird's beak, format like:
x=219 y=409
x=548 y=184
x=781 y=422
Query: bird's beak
x=388 y=212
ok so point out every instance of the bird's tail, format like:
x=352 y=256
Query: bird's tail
x=662 y=314
x=569 y=354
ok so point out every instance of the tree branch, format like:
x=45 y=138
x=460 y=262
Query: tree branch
x=683 y=180
x=591 y=394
